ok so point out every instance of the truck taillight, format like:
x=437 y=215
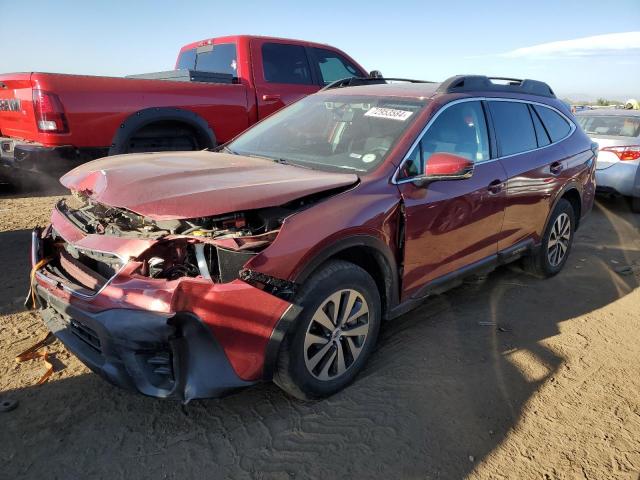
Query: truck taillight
x=630 y=152
x=49 y=112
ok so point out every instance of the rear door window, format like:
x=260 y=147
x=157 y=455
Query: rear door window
x=284 y=63
x=333 y=66
x=514 y=128
x=556 y=126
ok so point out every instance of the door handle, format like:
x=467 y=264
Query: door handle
x=270 y=97
x=495 y=187
x=556 y=168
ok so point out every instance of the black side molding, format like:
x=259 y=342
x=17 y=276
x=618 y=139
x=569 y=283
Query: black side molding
x=454 y=279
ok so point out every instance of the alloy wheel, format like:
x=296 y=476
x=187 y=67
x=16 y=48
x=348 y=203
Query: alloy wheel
x=559 y=240
x=336 y=334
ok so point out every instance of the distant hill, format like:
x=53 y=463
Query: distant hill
x=589 y=98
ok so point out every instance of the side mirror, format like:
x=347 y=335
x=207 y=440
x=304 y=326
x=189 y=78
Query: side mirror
x=375 y=74
x=447 y=166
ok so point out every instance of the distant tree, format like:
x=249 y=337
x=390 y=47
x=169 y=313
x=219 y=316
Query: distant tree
x=603 y=102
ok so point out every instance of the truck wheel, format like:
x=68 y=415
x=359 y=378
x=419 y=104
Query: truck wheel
x=333 y=336
x=554 y=250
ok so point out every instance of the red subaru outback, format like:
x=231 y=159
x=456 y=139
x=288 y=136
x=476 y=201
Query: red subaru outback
x=190 y=274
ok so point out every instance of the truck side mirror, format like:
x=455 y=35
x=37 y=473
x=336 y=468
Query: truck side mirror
x=375 y=74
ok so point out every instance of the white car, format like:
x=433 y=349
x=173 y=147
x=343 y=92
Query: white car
x=618 y=135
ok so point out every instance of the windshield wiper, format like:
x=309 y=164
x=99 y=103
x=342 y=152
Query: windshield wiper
x=228 y=150
x=350 y=168
x=280 y=160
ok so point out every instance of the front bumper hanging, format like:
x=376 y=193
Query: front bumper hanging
x=160 y=355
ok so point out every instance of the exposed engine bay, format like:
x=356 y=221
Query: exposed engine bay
x=215 y=248
x=95 y=218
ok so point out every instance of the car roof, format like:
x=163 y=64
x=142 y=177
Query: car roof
x=458 y=84
x=408 y=90
x=608 y=112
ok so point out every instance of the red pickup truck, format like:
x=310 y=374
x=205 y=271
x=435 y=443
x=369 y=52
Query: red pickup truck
x=52 y=122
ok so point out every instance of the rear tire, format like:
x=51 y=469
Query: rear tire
x=334 y=335
x=550 y=257
x=635 y=204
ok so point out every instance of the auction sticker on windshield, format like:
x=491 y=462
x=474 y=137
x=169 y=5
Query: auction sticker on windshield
x=390 y=113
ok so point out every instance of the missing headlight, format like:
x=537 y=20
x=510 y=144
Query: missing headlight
x=230 y=262
x=188 y=258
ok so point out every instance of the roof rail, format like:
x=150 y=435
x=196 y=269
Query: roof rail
x=474 y=83
x=356 y=81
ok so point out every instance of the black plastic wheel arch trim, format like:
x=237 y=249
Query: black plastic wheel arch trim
x=289 y=317
x=275 y=340
x=387 y=265
x=148 y=116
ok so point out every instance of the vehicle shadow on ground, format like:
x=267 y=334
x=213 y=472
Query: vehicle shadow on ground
x=441 y=392
x=42 y=189
x=14 y=269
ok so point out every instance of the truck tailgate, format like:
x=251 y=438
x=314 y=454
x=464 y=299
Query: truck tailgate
x=16 y=106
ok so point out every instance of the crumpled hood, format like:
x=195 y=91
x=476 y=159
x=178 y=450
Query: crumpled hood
x=179 y=185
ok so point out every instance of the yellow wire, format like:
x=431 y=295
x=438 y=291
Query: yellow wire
x=35 y=268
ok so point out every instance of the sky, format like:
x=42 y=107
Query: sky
x=583 y=49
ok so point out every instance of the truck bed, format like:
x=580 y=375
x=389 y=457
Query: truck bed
x=187 y=76
x=96 y=106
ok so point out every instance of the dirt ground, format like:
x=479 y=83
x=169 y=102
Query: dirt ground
x=513 y=377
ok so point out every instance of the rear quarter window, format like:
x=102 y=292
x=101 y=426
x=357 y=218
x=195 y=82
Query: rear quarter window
x=514 y=127
x=556 y=126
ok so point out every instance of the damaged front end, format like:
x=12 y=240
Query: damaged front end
x=165 y=307
x=213 y=248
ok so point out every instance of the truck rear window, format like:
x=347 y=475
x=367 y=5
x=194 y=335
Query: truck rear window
x=221 y=58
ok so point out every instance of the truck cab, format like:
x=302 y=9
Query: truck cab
x=50 y=123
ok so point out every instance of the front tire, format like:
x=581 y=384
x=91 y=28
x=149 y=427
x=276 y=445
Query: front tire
x=550 y=258
x=334 y=335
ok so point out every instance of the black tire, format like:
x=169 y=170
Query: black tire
x=538 y=262
x=635 y=204
x=291 y=372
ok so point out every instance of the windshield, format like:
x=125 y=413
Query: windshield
x=616 y=126
x=327 y=132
